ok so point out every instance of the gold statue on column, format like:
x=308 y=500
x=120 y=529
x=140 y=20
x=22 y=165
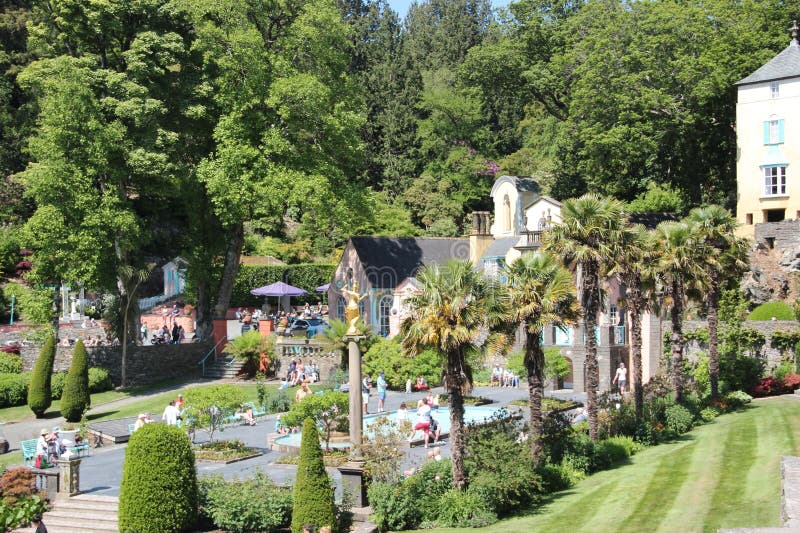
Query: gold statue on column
x=352 y=312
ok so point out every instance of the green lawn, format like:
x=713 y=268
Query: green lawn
x=723 y=474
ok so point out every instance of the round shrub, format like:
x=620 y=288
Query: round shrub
x=709 y=413
x=678 y=419
x=75 y=399
x=313 y=493
x=737 y=399
x=766 y=311
x=10 y=363
x=387 y=355
x=99 y=380
x=13 y=389
x=39 y=394
x=57 y=380
x=239 y=506
x=609 y=452
x=458 y=508
x=158 y=493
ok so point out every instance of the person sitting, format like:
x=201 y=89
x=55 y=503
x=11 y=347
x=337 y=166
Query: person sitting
x=421 y=384
x=42 y=447
x=497 y=373
x=581 y=416
x=435 y=429
x=245 y=413
x=280 y=429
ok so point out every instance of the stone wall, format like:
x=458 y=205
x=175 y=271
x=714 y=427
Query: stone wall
x=150 y=364
x=772 y=356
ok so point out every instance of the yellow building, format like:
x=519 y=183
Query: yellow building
x=768 y=141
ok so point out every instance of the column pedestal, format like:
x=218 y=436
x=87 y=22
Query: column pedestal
x=69 y=474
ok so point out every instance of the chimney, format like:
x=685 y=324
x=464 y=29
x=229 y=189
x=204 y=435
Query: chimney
x=480 y=237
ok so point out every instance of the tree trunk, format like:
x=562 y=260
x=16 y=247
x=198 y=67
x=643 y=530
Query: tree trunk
x=592 y=380
x=534 y=365
x=229 y=272
x=712 y=305
x=676 y=338
x=205 y=325
x=634 y=301
x=454 y=385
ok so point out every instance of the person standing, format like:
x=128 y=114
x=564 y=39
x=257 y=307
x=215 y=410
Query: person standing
x=170 y=415
x=366 y=385
x=621 y=378
x=382 y=385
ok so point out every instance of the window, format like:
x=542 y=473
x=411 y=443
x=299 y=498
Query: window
x=775 y=181
x=774 y=89
x=340 y=308
x=612 y=314
x=773 y=130
x=384 y=309
x=748 y=219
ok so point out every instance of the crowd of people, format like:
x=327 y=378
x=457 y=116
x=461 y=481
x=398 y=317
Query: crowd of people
x=89 y=341
x=164 y=335
x=299 y=372
x=503 y=377
x=51 y=445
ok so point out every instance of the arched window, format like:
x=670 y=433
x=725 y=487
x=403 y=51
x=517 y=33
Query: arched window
x=340 y=308
x=384 y=310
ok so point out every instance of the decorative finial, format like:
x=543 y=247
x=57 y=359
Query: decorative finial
x=794 y=30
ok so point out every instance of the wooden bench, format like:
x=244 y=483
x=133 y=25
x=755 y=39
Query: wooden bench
x=28 y=452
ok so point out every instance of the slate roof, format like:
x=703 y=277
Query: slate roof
x=784 y=65
x=651 y=220
x=501 y=246
x=527 y=184
x=546 y=198
x=389 y=260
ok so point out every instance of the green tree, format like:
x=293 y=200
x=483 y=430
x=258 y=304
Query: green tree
x=725 y=258
x=39 y=393
x=329 y=412
x=454 y=305
x=75 y=398
x=541 y=293
x=313 y=492
x=208 y=405
x=586 y=239
x=159 y=460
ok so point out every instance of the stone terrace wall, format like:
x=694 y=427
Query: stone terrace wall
x=150 y=364
x=771 y=355
x=786 y=233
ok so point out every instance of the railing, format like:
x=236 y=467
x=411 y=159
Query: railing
x=291 y=347
x=146 y=304
x=47 y=481
x=212 y=351
x=530 y=239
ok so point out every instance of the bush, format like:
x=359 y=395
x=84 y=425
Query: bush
x=207 y=405
x=19 y=501
x=32 y=305
x=461 y=509
x=10 y=363
x=313 y=493
x=559 y=476
x=609 y=452
x=737 y=399
x=158 y=493
x=791 y=381
x=13 y=389
x=99 y=380
x=766 y=311
x=387 y=355
x=679 y=419
x=329 y=412
x=57 y=380
x=709 y=413
x=75 y=399
x=253 y=504
x=39 y=393
x=278 y=402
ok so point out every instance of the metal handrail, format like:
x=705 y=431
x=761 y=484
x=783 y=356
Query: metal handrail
x=233 y=360
x=213 y=351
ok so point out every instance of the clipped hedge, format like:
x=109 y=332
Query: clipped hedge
x=159 y=486
x=307 y=276
x=75 y=399
x=240 y=506
x=10 y=363
x=779 y=310
x=39 y=393
x=313 y=492
x=14 y=389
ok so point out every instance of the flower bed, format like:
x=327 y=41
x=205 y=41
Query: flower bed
x=553 y=405
x=331 y=459
x=444 y=399
x=225 y=451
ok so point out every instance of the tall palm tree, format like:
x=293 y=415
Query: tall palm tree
x=679 y=272
x=586 y=239
x=450 y=313
x=541 y=292
x=725 y=258
x=634 y=269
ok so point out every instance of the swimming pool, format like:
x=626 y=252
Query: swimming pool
x=472 y=415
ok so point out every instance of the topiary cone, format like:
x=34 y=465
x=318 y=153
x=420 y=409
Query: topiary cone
x=75 y=399
x=313 y=492
x=39 y=394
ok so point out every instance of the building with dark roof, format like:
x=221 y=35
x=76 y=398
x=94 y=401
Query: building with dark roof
x=768 y=141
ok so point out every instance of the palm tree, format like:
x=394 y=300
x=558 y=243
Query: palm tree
x=333 y=338
x=634 y=268
x=541 y=292
x=725 y=259
x=679 y=272
x=586 y=239
x=450 y=313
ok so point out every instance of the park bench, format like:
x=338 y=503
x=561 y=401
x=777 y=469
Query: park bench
x=81 y=450
x=257 y=412
x=131 y=428
x=28 y=452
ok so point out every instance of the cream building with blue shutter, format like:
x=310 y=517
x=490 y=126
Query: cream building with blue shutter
x=768 y=141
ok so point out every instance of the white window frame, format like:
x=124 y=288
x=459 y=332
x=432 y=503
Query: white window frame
x=774 y=89
x=775 y=180
x=613 y=314
x=385 y=304
x=774 y=131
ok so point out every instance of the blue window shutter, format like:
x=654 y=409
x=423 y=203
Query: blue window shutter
x=780 y=131
x=766 y=132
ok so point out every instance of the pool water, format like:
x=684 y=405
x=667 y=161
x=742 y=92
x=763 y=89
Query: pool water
x=472 y=415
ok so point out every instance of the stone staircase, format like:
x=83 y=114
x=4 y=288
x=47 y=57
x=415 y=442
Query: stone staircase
x=224 y=369
x=85 y=513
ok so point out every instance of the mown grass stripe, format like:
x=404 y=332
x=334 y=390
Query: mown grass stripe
x=578 y=517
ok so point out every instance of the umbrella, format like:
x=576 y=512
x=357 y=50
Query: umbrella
x=323 y=288
x=278 y=288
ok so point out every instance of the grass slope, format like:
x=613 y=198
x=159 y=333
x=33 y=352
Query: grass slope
x=723 y=474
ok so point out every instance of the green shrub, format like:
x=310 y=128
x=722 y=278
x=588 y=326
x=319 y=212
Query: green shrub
x=13 y=389
x=10 y=363
x=766 y=311
x=207 y=405
x=679 y=419
x=313 y=492
x=709 y=413
x=39 y=394
x=158 y=493
x=253 y=504
x=57 y=380
x=387 y=355
x=75 y=399
x=559 y=477
x=305 y=275
x=32 y=305
x=99 y=380
x=611 y=451
x=507 y=490
x=458 y=508
x=278 y=402
x=329 y=412
x=737 y=399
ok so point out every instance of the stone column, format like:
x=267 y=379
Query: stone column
x=69 y=474
x=353 y=470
